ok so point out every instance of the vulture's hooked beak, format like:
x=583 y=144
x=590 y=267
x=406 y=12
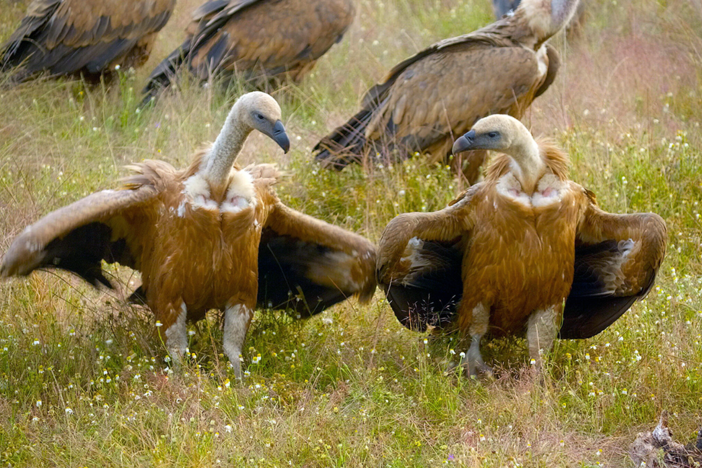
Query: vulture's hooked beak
x=280 y=137
x=464 y=143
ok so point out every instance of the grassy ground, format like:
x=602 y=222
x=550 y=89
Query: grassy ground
x=82 y=380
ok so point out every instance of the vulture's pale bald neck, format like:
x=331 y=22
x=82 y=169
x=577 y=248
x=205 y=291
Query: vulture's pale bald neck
x=252 y=111
x=507 y=135
x=546 y=17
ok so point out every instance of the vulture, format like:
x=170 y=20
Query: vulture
x=211 y=236
x=83 y=37
x=439 y=93
x=507 y=254
x=258 y=40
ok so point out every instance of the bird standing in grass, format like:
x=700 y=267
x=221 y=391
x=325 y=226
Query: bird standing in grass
x=83 y=37
x=431 y=98
x=508 y=253
x=257 y=40
x=211 y=236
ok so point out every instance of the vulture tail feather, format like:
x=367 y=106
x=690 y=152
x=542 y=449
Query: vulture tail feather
x=346 y=143
x=165 y=72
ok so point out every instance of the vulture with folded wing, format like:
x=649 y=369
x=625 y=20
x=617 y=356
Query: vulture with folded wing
x=507 y=253
x=258 y=40
x=88 y=37
x=211 y=236
x=438 y=94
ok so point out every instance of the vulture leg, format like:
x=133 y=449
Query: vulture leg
x=176 y=334
x=542 y=329
x=236 y=323
x=473 y=360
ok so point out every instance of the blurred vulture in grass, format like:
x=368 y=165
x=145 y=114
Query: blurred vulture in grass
x=507 y=254
x=210 y=236
x=83 y=37
x=436 y=95
x=257 y=40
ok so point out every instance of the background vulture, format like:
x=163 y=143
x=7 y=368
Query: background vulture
x=211 y=236
x=443 y=90
x=510 y=250
x=65 y=37
x=257 y=39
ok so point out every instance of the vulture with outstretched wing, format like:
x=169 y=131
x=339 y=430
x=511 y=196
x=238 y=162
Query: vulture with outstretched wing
x=438 y=94
x=257 y=40
x=88 y=37
x=211 y=236
x=512 y=249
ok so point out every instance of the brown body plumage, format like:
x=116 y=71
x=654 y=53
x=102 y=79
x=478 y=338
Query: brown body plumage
x=258 y=40
x=206 y=237
x=436 y=95
x=87 y=37
x=507 y=254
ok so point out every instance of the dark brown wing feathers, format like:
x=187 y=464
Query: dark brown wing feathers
x=102 y=226
x=308 y=265
x=256 y=39
x=617 y=259
x=72 y=36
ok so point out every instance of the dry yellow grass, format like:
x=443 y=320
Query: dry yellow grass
x=82 y=382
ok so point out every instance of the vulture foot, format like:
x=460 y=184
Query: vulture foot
x=236 y=323
x=473 y=362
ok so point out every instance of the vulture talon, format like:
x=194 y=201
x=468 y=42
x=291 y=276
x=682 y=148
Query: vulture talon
x=511 y=249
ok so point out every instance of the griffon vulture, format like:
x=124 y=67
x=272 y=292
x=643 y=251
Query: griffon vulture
x=438 y=94
x=89 y=37
x=211 y=236
x=507 y=253
x=256 y=39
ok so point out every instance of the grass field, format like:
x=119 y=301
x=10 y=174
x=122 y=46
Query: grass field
x=82 y=380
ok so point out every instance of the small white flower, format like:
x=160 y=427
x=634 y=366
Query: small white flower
x=69 y=411
x=39 y=403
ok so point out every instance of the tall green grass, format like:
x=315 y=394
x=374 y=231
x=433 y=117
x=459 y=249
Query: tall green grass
x=82 y=380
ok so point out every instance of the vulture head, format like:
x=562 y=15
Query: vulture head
x=507 y=135
x=252 y=111
x=259 y=111
x=547 y=17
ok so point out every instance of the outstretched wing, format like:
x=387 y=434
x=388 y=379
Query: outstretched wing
x=65 y=36
x=308 y=265
x=419 y=263
x=617 y=257
x=103 y=226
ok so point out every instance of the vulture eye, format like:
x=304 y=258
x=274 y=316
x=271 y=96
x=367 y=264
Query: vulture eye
x=259 y=116
x=493 y=134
